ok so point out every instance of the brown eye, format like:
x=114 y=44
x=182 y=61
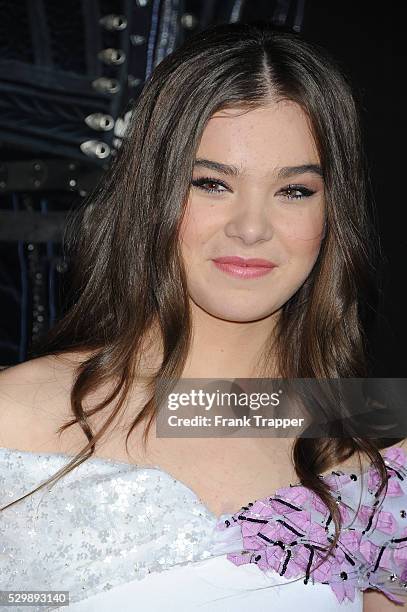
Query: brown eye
x=297 y=192
x=202 y=183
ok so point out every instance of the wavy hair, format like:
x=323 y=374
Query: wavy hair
x=128 y=273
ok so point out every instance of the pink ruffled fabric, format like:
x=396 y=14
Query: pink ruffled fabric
x=290 y=531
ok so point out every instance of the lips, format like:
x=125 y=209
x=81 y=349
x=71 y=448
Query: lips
x=244 y=268
x=245 y=262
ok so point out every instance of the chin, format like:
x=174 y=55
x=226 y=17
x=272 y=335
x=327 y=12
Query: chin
x=234 y=313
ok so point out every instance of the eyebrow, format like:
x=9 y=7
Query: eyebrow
x=284 y=172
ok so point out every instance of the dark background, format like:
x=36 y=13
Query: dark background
x=366 y=40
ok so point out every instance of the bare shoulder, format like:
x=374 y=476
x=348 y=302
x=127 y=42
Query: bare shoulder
x=375 y=601
x=403 y=444
x=352 y=464
x=35 y=401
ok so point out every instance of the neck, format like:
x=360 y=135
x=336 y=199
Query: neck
x=227 y=349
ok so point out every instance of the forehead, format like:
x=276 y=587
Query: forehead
x=260 y=139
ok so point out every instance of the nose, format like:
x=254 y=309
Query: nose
x=249 y=221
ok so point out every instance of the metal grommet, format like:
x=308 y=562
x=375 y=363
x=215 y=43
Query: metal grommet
x=95 y=148
x=113 y=22
x=61 y=266
x=39 y=174
x=112 y=57
x=132 y=81
x=106 y=85
x=117 y=143
x=100 y=122
x=122 y=124
x=137 y=39
x=3 y=176
x=189 y=21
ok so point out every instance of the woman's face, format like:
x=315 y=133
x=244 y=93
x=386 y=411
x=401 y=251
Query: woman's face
x=270 y=205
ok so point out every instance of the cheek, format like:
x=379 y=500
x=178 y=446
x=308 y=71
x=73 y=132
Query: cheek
x=302 y=254
x=303 y=227
x=196 y=229
x=300 y=236
x=191 y=237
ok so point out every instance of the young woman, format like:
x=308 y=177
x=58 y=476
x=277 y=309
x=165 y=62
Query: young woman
x=244 y=143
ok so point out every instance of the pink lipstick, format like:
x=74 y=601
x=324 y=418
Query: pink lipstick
x=241 y=267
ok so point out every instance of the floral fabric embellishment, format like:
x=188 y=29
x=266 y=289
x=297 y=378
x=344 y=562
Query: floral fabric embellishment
x=290 y=532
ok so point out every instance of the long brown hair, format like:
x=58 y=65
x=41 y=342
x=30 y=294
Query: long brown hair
x=127 y=269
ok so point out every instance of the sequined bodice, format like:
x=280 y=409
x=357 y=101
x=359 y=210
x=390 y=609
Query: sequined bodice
x=106 y=523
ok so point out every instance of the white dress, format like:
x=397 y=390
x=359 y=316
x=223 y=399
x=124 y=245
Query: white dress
x=127 y=538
